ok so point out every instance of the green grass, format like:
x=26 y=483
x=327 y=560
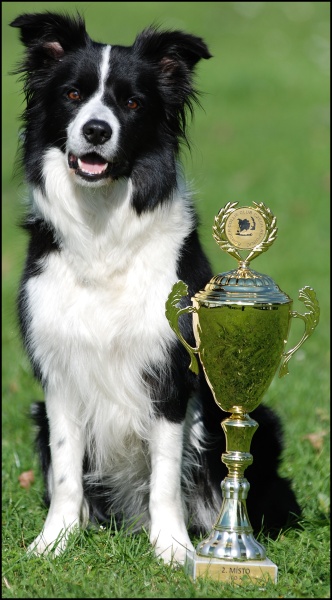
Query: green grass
x=263 y=136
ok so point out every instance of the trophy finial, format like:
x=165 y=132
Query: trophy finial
x=246 y=228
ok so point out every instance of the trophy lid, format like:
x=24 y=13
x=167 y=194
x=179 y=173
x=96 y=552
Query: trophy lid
x=241 y=286
x=237 y=229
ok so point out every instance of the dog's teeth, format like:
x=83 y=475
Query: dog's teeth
x=91 y=169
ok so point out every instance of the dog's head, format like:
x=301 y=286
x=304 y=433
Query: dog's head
x=107 y=108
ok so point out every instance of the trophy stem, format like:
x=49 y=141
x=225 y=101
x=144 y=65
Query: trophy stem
x=232 y=536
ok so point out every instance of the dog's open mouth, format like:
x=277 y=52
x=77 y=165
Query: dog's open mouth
x=91 y=167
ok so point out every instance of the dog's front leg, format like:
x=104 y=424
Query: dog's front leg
x=64 y=478
x=168 y=532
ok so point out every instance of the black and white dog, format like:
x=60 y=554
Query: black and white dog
x=127 y=433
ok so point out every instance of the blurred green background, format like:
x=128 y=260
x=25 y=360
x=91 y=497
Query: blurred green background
x=263 y=136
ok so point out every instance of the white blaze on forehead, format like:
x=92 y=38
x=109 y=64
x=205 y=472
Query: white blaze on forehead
x=95 y=108
x=104 y=67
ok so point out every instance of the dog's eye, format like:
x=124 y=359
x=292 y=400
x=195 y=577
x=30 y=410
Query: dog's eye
x=74 y=95
x=132 y=104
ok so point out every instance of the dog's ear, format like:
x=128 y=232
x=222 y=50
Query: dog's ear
x=171 y=48
x=173 y=55
x=50 y=35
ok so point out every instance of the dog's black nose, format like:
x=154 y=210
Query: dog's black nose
x=97 y=132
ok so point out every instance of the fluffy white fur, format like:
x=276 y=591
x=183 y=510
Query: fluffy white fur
x=128 y=433
x=91 y=304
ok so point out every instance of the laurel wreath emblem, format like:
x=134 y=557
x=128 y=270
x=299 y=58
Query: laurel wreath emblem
x=223 y=242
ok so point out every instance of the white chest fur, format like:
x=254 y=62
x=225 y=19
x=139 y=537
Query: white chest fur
x=97 y=310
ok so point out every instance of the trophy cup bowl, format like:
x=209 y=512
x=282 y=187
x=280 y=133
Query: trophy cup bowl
x=241 y=323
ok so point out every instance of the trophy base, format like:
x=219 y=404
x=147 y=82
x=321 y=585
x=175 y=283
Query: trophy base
x=230 y=571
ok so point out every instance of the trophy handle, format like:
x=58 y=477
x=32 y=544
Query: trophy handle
x=308 y=296
x=173 y=312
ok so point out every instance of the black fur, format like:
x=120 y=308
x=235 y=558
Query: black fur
x=158 y=72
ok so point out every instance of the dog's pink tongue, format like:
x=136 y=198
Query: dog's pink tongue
x=94 y=168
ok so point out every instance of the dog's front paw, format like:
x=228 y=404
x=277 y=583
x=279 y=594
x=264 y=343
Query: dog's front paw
x=52 y=540
x=171 y=548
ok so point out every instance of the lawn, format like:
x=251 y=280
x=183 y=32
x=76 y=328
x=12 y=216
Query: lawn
x=262 y=136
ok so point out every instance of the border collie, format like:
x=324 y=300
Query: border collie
x=127 y=434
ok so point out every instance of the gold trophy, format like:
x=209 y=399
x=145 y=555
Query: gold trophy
x=241 y=322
